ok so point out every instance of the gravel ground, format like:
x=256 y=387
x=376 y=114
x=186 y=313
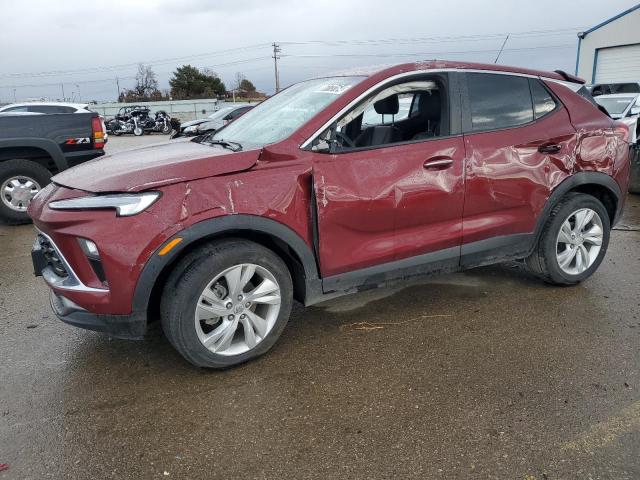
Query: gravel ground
x=483 y=374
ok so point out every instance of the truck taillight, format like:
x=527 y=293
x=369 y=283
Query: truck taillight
x=98 y=133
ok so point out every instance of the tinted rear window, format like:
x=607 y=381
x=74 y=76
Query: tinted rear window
x=499 y=101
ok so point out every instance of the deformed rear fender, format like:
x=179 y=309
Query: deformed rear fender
x=232 y=224
x=571 y=183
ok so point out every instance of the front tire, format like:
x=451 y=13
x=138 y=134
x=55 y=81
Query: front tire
x=138 y=131
x=573 y=242
x=226 y=303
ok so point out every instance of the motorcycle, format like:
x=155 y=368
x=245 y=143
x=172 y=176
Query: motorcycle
x=161 y=123
x=136 y=120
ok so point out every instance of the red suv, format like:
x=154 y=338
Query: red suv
x=331 y=186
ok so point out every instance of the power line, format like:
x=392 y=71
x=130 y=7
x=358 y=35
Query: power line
x=425 y=54
x=438 y=39
x=134 y=64
x=409 y=40
x=129 y=77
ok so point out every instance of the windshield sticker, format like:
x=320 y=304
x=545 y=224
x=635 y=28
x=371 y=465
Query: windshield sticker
x=333 y=88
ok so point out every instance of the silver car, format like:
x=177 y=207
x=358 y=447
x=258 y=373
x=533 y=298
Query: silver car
x=624 y=107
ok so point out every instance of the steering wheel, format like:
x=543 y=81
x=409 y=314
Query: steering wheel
x=344 y=139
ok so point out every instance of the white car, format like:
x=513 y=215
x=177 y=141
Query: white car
x=48 y=108
x=624 y=107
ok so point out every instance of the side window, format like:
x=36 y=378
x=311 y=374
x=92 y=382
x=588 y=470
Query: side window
x=17 y=109
x=416 y=110
x=543 y=102
x=239 y=112
x=498 y=101
x=51 y=109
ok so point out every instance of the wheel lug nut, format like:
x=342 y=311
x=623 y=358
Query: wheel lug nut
x=231 y=317
x=229 y=306
x=243 y=316
x=247 y=305
x=239 y=297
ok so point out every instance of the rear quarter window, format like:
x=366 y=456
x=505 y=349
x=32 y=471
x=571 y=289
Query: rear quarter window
x=498 y=101
x=543 y=102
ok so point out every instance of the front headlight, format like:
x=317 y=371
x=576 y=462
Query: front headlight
x=191 y=129
x=125 y=204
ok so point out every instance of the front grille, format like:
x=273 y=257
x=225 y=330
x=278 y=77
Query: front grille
x=52 y=256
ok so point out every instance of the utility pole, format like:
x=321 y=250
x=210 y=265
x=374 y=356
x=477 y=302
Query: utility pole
x=118 y=85
x=276 y=57
x=62 y=87
x=79 y=97
x=501 y=48
x=14 y=96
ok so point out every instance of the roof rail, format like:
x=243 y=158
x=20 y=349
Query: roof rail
x=570 y=78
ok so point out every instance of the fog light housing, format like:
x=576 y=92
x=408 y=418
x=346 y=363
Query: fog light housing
x=89 y=248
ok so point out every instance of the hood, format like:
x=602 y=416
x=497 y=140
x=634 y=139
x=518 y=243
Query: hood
x=154 y=166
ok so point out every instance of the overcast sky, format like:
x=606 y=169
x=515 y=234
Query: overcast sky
x=105 y=39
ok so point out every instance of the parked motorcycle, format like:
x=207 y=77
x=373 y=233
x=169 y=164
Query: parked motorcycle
x=136 y=120
x=161 y=123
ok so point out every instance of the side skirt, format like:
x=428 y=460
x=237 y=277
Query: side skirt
x=485 y=252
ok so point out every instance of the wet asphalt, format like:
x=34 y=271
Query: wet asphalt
x=483 y=374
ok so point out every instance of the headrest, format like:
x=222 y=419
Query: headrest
x=430 y=105
x=387 y=106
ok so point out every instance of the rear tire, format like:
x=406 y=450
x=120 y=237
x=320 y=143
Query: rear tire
x=568 y=253
x=212 y=320
x=20 y=179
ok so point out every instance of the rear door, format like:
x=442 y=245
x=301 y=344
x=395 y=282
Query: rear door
x=519 y=141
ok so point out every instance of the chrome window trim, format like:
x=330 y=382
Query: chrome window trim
x=72 y=282
x=398 y=76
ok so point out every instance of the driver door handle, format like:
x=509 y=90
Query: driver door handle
x=439 y=164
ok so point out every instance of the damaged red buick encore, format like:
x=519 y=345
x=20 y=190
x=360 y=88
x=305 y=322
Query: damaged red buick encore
x=331 y=186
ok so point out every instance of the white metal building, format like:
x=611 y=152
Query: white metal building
x=610 y=51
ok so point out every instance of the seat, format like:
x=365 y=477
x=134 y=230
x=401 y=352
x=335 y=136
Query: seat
x=427 y=122
x=381 y=134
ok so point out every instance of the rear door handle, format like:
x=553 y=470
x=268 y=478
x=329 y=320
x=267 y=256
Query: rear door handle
x=440 y=164
x=550 y=148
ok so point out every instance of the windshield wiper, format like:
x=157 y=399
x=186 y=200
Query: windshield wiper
x=233 y=146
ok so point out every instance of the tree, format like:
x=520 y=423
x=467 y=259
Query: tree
x=247 y=86
x=189 y=82
x=146 y=82
x=145 y=89
x=238 y=80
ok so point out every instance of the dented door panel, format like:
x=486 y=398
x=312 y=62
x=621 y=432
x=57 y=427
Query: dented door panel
x=380 y=205
x=508 y=179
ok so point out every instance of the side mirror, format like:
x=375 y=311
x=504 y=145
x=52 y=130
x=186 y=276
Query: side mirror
x=326 y=142
x=634 y=111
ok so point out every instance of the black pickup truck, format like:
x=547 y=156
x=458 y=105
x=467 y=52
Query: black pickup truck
x=33 y=148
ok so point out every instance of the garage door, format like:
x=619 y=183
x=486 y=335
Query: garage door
x=618 y=64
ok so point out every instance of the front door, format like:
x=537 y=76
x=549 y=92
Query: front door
x=388 y=204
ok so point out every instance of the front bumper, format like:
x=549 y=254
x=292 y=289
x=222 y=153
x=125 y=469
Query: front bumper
x=129 y=327
x=132 y=326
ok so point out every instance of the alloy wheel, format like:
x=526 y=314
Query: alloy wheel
x=579 y=241
x=18 y=191
x=237 y=309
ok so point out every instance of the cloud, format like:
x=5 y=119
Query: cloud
x=40 y=35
